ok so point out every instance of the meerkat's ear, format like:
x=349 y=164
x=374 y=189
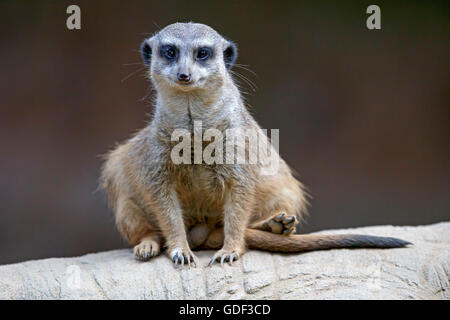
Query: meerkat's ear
x=230 y=54
x=146 y=52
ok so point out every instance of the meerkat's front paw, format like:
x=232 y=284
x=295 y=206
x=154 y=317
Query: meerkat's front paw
x=282 y=224
x=225 y=255
x=146 y=249
x=182 y=256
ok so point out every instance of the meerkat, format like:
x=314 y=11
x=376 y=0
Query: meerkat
x=160 y=205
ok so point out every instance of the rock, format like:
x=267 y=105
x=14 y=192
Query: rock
x=420 y=271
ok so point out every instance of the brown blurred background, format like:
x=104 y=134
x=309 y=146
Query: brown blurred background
x=363 y=115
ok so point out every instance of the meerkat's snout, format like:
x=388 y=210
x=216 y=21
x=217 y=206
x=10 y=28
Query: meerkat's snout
x=183 y=77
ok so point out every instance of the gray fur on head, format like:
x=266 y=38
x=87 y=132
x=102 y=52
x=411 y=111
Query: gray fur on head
x=175 y=56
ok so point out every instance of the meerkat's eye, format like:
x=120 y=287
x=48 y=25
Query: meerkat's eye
x=203 y=54
x=169 y=52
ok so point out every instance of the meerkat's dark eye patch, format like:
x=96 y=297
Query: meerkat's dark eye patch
x=230 y=55
x=146 y=52
x=169 y=52
x=203 y=54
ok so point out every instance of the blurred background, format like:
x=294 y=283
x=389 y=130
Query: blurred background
x=363 y=115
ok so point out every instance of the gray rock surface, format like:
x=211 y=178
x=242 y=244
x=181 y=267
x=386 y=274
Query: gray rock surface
x=417 y=272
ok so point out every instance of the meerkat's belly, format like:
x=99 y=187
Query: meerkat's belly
x=201 y=192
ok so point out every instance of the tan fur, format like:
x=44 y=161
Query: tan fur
x=158 y=203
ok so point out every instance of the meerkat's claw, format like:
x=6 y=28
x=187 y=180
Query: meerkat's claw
x=223 y=256
x=222 y=260
x=282 y=224
x=183 y=257
x=146 y=250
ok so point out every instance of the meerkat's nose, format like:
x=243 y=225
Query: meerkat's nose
x=183 y=77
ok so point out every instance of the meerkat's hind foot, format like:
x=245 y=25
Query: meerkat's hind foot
x=283 y=224
x=146 y=249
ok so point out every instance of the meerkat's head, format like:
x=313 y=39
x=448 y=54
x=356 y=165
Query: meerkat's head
x=188 y=56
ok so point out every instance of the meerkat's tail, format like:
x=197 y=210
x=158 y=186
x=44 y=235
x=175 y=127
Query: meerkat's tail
x=267 y=241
